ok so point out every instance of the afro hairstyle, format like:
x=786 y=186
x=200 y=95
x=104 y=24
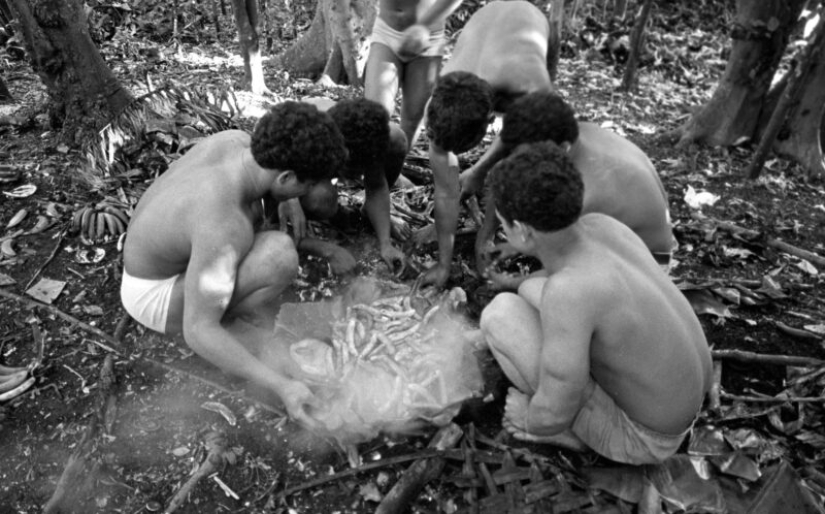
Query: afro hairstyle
x=365 y=126
x=537 y=185
x=297 y=136
x=459 y=111
x=539 y=116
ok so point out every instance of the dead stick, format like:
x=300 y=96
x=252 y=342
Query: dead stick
x=419 y=473
x=714 y=395
x=214 y=385
x=772 y=242
x=213 y=461
x=71 y=319
x=423 y=454
x=782 y=360
x=773 y=399
x=49 y=259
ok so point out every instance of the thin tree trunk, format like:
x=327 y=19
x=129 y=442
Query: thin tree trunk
x=636 y=38
x=5 y=13
x=335 y=32
x=803 y=136
x=83 y=90
x=790 y=95
x=246 y=19
x=5 y=94
x=760 y=35
x=216 y=17
x=556 y=18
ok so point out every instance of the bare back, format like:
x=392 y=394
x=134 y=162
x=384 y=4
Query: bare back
x=195 y=192
x=647 y=348
x=505 y=43
x=620 y=181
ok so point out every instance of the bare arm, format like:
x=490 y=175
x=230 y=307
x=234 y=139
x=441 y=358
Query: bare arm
x=445 y=178
x=340 y=260
x=377 y=205
x=565 y=360
x=564 y=372
x=209 y=284
x=472 y=179
x=438 y=12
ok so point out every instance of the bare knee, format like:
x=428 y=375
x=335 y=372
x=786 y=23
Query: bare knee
x=496 y=315
x=396 y=154
x=274 y=252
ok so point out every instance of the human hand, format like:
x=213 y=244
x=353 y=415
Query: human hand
x=469 y=183
x=499 y=281
x=415 y=41
x=290 y=211
x=436 y=276
x=299 y=402
x=399 y=229
x=394 y=258
x=341 y=261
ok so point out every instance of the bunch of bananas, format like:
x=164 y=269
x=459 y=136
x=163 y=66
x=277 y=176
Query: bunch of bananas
x=14 y=381
x=106 y=218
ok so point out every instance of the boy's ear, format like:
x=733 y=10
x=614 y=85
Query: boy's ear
x=285 y=176
x=524 y=231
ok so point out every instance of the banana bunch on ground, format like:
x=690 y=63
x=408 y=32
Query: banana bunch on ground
x=107 y=218
x=15 y=381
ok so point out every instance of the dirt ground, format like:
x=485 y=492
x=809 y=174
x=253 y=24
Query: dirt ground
x=752 y=296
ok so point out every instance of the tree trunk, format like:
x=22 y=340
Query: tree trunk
x=246 y=19
x=760 y=35
x=5 y=94
x=83 y=90
x=336 y=44
x=636 y=38
x=556 y=18
x=802 y=136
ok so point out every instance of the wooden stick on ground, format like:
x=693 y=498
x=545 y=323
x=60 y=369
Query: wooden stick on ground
x=216 y=444
x=80 y=474
x=419 y=473
x=761 y=358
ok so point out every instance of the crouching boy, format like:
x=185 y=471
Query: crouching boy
x=604 y=352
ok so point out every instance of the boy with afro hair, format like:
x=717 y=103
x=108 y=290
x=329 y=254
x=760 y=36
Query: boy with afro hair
x=619 y=178
x=604 y=352
x=506 y=49
x=376 y=151
x=193 y=263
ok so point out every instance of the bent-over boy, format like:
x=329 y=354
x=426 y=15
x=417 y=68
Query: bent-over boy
x=193 y=263
x=619 y=178
x=501 y=54
x=605 y=352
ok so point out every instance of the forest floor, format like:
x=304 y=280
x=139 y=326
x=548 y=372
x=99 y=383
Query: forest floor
x=763 y=433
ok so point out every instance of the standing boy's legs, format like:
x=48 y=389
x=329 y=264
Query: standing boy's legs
x=417 y=84
x=384 y=71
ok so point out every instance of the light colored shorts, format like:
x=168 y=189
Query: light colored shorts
x=392 y=39
x=147 y=300
x=605 y=428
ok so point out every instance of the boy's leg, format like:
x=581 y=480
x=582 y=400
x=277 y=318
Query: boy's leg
x=512 y=328
x=268 y=268
x=396 y=154
x=382 y=75
x=416 y=88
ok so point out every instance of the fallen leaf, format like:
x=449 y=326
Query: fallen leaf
x=46 y=290
x=807 y=267
x=180 y=451
x=698 y=199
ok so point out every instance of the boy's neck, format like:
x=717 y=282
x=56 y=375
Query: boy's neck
x=553 y=249
x=257 y=179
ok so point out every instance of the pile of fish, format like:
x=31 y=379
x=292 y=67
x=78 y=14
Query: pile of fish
x=392 y=362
